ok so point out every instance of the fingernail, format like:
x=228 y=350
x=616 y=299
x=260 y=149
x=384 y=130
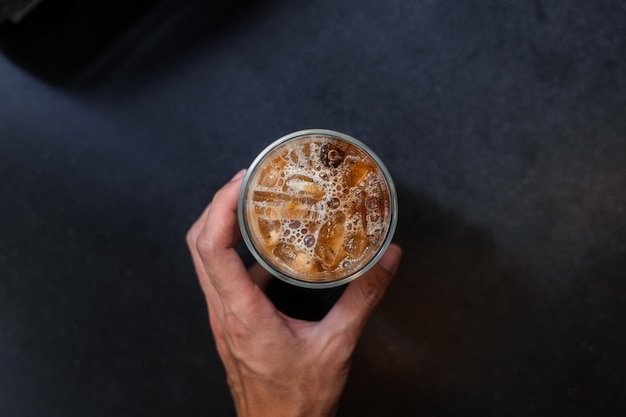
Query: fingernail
x=391 y=258
x=238 y=175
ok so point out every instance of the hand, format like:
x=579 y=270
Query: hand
x=276 y=365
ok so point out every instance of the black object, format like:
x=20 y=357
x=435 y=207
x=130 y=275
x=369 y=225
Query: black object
x=77 y=43
x=15 y=10
x=64 y=41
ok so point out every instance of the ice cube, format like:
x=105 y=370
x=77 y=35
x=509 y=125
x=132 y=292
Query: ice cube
x=301 y=184
x=287 y=212
x=356 y=170
x=358 y=209
x=278 y=198
x=271 y=173
x=330 y=239
x=303 y=263
x=286 y=253
x=295 y=213
x=269 y=230
x=355 y=246
x=269 y=177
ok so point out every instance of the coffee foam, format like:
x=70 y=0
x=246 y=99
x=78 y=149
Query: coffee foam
x=302 y=200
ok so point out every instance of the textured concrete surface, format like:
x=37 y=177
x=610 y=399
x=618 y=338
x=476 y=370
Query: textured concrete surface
x=503 y=124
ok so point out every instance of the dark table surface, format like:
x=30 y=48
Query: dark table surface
x=503 y=124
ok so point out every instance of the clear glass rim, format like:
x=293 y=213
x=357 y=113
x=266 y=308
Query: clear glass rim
x=312 y=284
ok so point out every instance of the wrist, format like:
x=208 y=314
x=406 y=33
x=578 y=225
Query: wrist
x=285 y=401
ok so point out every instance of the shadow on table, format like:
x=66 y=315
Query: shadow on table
x=446 y=324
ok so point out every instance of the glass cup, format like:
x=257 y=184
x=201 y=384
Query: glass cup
x=317 y=208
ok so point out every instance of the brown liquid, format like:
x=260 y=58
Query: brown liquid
x=317 y=208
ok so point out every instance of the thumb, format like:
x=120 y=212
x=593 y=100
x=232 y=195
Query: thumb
x=362 y=295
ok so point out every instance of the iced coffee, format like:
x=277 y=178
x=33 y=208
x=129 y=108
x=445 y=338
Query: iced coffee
x=317 y=207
